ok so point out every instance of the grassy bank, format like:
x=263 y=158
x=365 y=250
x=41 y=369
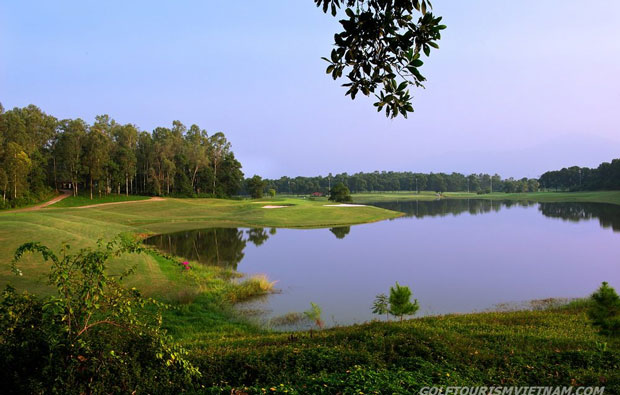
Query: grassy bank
x=612 y=197
x=81 y=227
x=548 y=348
x=552 y=347
x=85 y=200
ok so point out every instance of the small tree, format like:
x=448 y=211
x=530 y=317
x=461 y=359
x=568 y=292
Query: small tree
x=314 y=314
x=400 y=301
x=605 y=310
x=272 y=192
x=340 y=193
x=255 y=187
x=93 y=336
x=381 y=305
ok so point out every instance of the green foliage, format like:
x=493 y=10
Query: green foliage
x=405 y=181
x=272 y=192
x=39 y=153
x=380 y=48
x=400 y=301
x=314 y=314
x=605 y=310
x=549 y=348
x=340 y=193
x=93 y=336
x=381 y=305
x=255 y=186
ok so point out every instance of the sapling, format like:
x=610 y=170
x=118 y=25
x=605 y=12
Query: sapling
x=400 y=302
x=381 y=305
x=314 y=314
x=605 y=310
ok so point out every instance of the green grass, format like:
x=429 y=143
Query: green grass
x=82 y=227
x=84 y=200
x=532 y=348
x=612 y=197
x=551 y=347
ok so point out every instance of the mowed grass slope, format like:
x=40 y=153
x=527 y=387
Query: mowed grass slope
x=82 y=227
x=85 y=200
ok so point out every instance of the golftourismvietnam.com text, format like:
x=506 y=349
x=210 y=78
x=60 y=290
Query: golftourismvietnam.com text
x=514 y=390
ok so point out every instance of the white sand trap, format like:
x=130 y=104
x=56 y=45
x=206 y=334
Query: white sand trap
x=269 y=206
x=344 y=205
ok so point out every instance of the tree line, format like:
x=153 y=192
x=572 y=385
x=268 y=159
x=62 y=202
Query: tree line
x=389 y=181
x=605 y=177
x=39 y=154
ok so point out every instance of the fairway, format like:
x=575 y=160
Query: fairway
x=82 y=227
x=612 y=197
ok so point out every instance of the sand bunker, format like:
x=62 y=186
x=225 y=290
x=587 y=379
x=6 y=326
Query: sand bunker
x=344 y=205
x=269 y=206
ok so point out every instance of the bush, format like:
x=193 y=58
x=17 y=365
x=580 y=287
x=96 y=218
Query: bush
x=400 y=301
x=605 y=310
x=94 y=336
x=340 y=193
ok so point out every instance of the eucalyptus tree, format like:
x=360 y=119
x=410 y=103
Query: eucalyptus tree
x=230 y=176
x=197 y=146
x=220 y=147
x=96 y=157
x=380 y=48
x=17 y=164
x=69 y=150
x=145 y=158
x=4 y=184
x=124 y=153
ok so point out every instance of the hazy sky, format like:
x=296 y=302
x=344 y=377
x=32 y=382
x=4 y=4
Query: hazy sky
x=516 y=88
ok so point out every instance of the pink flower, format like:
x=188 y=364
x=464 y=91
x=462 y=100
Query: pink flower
x=186 y=265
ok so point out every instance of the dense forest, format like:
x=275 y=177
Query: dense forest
x=403 y=181
x=605 y=177
x=40 y=154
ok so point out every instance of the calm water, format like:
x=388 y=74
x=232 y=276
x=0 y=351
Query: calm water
x=456 y=255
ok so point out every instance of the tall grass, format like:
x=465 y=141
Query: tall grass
x=252 y=287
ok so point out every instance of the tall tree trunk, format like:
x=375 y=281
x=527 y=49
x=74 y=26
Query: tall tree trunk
x=55 y=178
x=15 y=185
x=126 y=184
x=194 y=177
x=214 y=176
x=91 y=186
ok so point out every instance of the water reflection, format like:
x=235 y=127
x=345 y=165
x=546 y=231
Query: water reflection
x=224 y=247
x=443 y=207
x=217 y=246
x=341 y=231
x=608 y=215
x=454 y=262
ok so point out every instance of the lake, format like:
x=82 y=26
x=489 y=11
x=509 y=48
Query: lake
x=457 y=256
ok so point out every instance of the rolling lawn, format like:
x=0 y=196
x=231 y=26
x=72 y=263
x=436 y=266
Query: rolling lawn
x=82 y=227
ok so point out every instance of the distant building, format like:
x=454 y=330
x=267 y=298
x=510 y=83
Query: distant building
x=317 y=194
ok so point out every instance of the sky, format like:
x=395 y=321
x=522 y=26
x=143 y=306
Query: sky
x=517 y=88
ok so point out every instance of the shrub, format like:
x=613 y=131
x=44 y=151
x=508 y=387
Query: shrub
x=314 y=314
x=605 y=310
x=93 y=336
x=400 y=301
x=381 y=305
x=340 y=193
